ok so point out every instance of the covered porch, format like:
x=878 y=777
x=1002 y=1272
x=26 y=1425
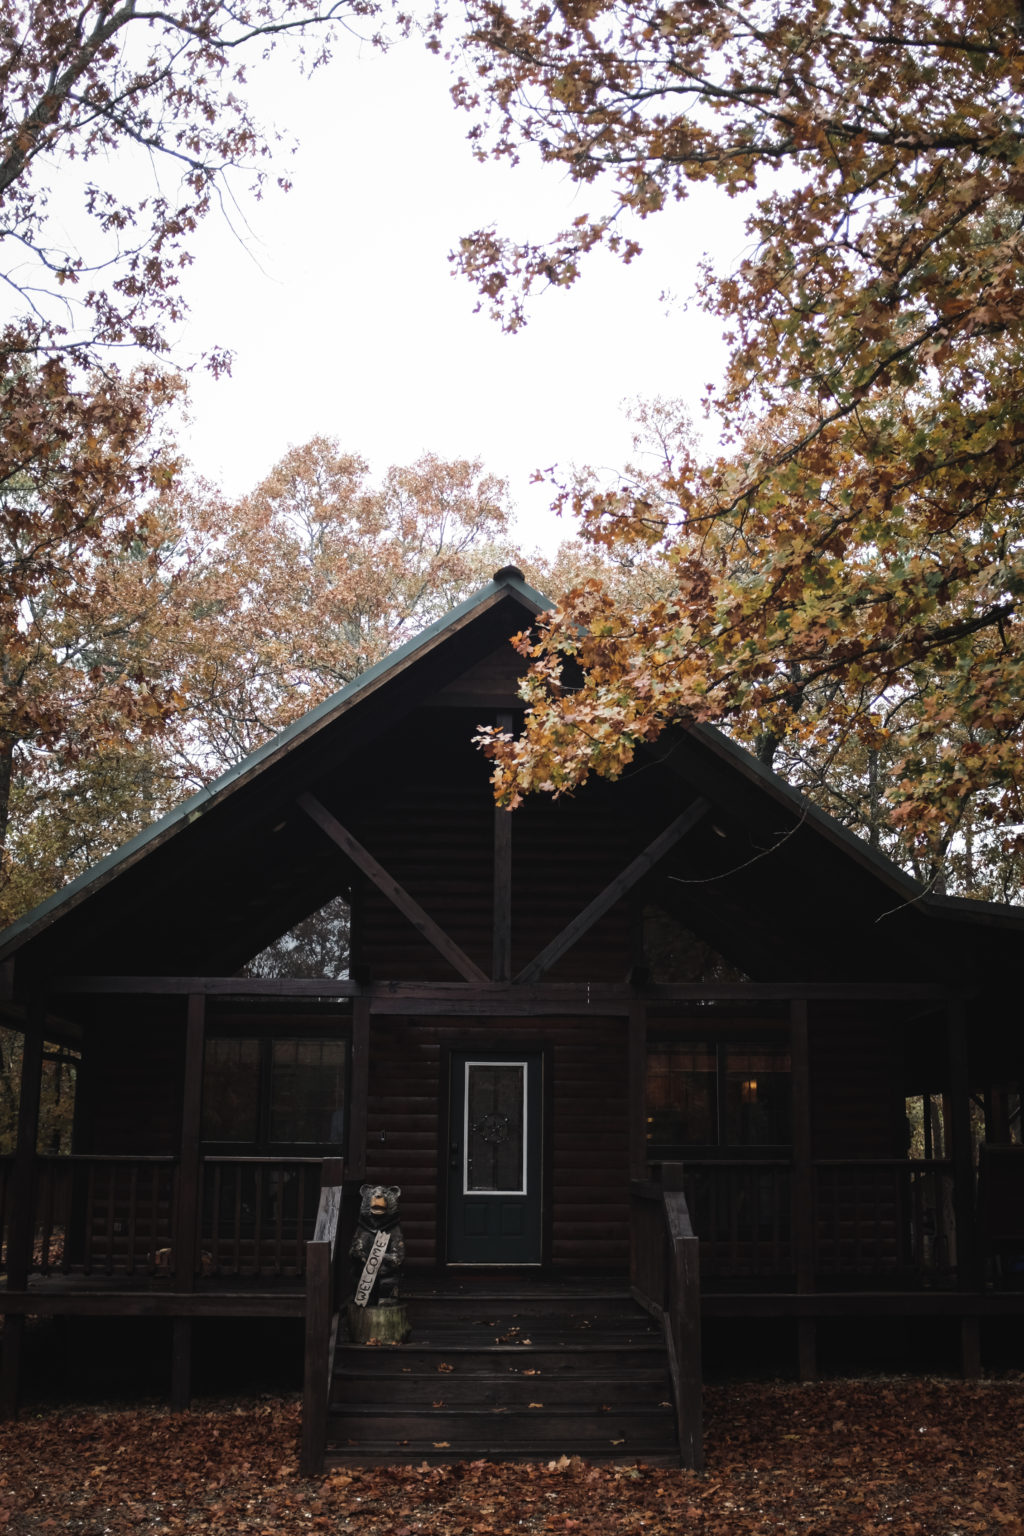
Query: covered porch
x=771 y=1230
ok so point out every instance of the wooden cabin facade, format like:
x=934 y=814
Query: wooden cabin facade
x=638 y=1058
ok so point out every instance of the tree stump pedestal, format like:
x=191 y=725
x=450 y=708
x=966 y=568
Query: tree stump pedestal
x=378 y=1325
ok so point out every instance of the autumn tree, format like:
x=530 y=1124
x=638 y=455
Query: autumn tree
x=139 y=113
x=322 y=572
x=89 y=585
x=859 y=540
x=120 y=127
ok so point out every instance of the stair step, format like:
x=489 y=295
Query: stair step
x=414 y=1452
x=505 y=1372
x=533 y=1327
x=637 y=1428
x=591 y=1359
x=491 y=1389
x=519 y=1306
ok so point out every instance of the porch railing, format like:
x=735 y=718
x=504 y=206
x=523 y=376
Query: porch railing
x=665 y=1278
x=257 y=1214
x=115 y=1215
x=741 y=1211
x=891 y=1219
x=97 y=1215
x=891 y=1216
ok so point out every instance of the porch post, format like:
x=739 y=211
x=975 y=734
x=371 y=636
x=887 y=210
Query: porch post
x=963 y=1177
x=501 y=947
x=20 y=1230
x=355 y=1160
x=803 y=1183
x=187 y=1218
x=637 y=1096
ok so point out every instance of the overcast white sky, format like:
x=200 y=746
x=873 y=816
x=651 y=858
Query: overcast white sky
x=344 y=318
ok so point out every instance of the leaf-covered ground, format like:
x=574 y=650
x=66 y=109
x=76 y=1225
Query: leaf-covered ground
x=892 y=1455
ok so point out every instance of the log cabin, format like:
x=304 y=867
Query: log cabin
x=643 y=1060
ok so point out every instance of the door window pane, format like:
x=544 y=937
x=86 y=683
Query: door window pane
x=231 y=1090
x=307 y=1090
x=495 y=1122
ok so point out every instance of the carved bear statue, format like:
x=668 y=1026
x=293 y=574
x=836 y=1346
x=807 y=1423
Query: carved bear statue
x=378 y=1249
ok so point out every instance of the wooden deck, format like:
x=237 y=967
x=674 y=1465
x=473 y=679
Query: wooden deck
x=97 y=1295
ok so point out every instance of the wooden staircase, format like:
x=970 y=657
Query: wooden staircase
x=522 y=1370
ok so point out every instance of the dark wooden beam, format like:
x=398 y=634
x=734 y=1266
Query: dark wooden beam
x=21 y=1228
x=359 y=1089
x=637 y=1099
x=208 y=986
x=557 y=992
x=962 y=1145
x=181 y=1364
x=503 y=1002
x=20 y=1231
x=802 y=1224
x=501 y=952
x=389 y=887
x=501 y=961
x=623 y=883
x=64 y=1300
x=189 y=1163
x=186 y=1227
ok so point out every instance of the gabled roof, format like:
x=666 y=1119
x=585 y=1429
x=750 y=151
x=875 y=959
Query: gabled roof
x=220 y=871
x=506 y=591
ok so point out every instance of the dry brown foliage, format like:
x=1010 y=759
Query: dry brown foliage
x=907 y=1457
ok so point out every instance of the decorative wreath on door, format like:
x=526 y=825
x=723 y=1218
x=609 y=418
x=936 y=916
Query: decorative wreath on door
x=493 y=1127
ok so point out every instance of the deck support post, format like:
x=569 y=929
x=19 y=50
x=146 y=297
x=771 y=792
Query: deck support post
x=970 y=1347
x=637 y=1093
x=21 y=1228
x=962 y=1147
x=181 y=1364
x=186 y=1226
x=501 y=948
x=803 y=1184
x=355 y=1161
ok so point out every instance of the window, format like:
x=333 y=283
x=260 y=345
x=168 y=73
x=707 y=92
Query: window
x=712 y=1094
x=265 y=1090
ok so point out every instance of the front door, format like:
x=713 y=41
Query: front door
x=494 y=1158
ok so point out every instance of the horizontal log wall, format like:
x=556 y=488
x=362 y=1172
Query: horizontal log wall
x=588 y=1126
x=433 y=832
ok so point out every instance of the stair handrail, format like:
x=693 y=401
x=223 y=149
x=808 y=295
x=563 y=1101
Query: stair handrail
x=322 y=1256
x=671 y=1268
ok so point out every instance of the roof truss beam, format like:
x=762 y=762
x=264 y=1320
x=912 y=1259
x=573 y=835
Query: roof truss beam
x=389 y=887
x=623 y=883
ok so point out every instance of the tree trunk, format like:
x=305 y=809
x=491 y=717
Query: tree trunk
x=7 y=746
